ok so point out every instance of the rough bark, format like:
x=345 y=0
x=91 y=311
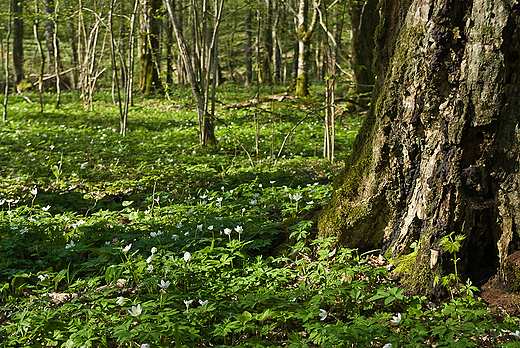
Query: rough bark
x=439 y=149
x=364 y=18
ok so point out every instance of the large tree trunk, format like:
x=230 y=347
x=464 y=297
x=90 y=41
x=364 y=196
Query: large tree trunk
x=439 y=149
x=364 y=17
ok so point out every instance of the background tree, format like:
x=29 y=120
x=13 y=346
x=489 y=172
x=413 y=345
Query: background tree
x=438 y=150
x=17 y=6
x=150 y=31
x=364 y=18
x=304 y=30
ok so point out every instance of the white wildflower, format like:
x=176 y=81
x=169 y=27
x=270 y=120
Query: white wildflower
x=187 y=303
x=396 y=319
x=323 y=314
x=164 y=284
x=135 y=311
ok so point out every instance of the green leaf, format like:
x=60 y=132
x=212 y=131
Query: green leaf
x=245 y=317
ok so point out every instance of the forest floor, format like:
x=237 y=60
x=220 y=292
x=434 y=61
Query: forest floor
x=154 y=241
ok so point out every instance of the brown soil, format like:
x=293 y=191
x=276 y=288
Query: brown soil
x=495 y=293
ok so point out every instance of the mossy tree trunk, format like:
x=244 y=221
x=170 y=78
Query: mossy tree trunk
x=304 y=30
x=439 y=149
x=150 y=24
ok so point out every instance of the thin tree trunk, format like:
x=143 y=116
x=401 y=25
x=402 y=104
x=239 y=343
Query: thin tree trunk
x=74 y=55
x=168 y=46
x=304 y=32
x=206 y=64
x=49 y=9
x=248 y=48
x=276 y=55
x=130 y=72
x=6 y=91
x=113 y=58
x=18 y=74
x=42 y=55
x=56 y=56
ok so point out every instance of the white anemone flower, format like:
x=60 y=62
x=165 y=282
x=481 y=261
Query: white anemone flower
x=135 y=311
x=227 y=231
x=396 y=319
x=187 y=256
x=120 y=300
x=187 y=303
x=126 y=248
x=164 y=284
x=154 y=250
x=323 y=314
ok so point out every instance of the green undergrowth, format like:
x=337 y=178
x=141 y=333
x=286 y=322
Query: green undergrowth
x=152 y=241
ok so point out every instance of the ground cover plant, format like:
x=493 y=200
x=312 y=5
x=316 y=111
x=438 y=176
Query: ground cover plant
x=152 y=241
